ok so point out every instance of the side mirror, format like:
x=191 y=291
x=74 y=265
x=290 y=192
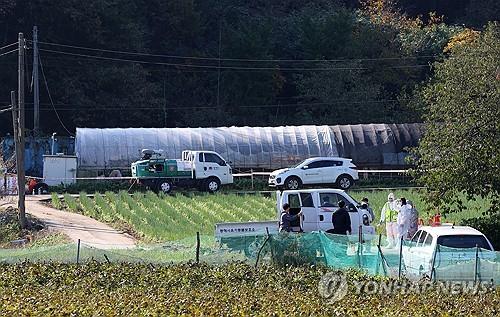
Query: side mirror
x=305 y=167
x=230 y=162
x=351 y=208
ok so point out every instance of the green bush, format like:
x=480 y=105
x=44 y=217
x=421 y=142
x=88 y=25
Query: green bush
x=233 y=289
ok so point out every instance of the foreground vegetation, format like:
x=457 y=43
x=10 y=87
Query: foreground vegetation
x=189 y=289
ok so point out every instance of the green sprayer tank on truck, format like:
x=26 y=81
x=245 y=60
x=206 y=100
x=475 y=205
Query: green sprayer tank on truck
x=205 y=170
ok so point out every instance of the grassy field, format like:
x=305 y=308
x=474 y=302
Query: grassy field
x=233 y=289
x=163 y=218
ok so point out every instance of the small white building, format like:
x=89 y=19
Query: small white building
x=59 y=169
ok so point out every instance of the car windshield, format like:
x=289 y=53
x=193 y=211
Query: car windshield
x=463 y=241
x=297 y=165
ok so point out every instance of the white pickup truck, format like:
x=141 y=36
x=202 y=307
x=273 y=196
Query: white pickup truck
x=206 y=170
x=317 y=206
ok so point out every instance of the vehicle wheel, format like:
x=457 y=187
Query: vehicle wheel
x=344 y=182
x=164 y=186
x=41 y=189
x=212 y=185
x=292 y=183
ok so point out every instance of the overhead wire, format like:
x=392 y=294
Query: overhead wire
x=9 y=52
x=4 y=47
x=178 y=107
x=50 y=96
x=235 y=59
x=224 y=67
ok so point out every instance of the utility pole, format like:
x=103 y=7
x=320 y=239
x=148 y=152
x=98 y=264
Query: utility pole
x=36 y=90
x=219 y=112
x=18 y=114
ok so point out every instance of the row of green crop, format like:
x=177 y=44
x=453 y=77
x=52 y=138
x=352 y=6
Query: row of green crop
x=160 y=217
x=233 y=289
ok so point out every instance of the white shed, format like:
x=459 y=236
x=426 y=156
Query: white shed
x=59 y=169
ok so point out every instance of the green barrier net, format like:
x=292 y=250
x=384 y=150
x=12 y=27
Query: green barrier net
x=461 y=264
x=367 y=253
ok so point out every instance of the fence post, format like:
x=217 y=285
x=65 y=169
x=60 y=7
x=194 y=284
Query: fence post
x=360 y=245
x=433 y=271
x=378 y=249
x=262 y=247
x=251 y=176
x=475 y=266
x=400 y=256
x=197 y=247
x=78 y=252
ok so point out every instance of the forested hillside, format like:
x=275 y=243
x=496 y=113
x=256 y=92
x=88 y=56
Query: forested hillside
x=156 y=63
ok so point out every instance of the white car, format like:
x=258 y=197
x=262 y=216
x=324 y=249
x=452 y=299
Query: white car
x=319 y=170
x=419 y=254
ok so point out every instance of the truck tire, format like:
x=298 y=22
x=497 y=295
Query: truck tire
x=212 y=184
x=164 y=186
x=344 y=182
x=292 y=182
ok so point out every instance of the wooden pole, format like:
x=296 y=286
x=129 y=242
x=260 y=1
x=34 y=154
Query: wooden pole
x=400 y=256
x=78 y=252
x=21 y=181
x=197 y=247
x=475 y=264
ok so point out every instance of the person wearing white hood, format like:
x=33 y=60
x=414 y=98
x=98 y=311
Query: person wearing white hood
x=404 y=219
x=389 y=215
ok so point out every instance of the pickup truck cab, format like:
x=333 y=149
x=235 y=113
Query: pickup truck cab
x=317 y=170
x=441 y=244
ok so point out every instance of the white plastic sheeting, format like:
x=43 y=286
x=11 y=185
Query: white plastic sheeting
x=245 y=147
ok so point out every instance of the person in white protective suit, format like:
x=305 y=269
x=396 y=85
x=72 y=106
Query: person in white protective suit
x=404 y=220
x=389 y=216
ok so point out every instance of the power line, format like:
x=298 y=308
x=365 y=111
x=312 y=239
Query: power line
x=3 y=47
x=177 y=107
x=50 y=96
x=225 y=67
x=236 y=59
x=5 y=110
x=9 y=52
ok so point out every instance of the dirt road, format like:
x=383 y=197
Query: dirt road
x=75 y=226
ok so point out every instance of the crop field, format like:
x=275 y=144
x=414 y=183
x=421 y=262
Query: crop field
x=161 y=218
x=165 y=218
x=95 y=289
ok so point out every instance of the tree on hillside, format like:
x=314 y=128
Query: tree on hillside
x=460 y=151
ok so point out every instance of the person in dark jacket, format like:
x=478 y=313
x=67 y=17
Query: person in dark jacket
x=341 y=220
x=286 y=218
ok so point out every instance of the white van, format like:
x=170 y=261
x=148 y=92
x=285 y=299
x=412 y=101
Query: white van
x=317 y=207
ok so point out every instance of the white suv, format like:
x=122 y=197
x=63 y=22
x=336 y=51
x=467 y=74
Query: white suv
x=318 y=170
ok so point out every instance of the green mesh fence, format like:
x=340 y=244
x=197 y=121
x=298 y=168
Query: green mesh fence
x=460 y=264
x=367 y=253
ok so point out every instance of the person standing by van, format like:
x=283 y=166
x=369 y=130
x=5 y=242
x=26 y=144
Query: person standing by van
x=286 y=219
x=403 y=220
x=389 y=216
x=341 y=220
x=368 y=208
